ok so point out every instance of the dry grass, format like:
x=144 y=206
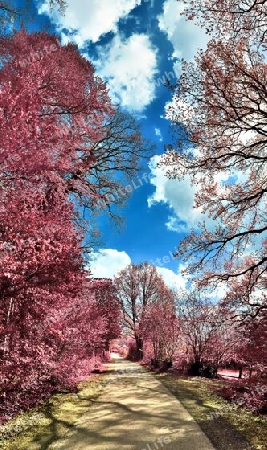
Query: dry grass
x=219 y=419
x=44 y=424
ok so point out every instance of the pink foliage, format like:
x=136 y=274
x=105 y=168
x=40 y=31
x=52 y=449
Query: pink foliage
x=251 y=394
x=160 y=327
x=53 y=329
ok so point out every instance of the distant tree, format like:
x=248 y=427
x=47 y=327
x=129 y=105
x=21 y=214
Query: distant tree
x=160 y=326
x=138 y=286
x=205 y=330
x=253 y=336
x=108 y=306
x=216 y=335
x=248 y=315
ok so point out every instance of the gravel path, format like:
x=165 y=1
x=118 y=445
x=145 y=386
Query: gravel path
x=135 y=412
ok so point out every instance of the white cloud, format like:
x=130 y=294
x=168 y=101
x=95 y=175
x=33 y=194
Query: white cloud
x=179 y=195
x=129 y=66
x=106 y=263
x=176 y=224
x=89 y=20
x=158 y=133
x=173 y=280
x=185 y=36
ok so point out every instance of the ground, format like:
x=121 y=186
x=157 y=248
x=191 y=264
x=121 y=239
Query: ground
x=136 y=412
x=226 y=425
x=131 y=408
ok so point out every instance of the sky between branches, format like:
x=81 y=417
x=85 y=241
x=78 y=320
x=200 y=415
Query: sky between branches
x=136 y=45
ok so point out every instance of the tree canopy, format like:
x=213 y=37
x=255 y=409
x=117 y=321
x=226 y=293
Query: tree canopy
x=220 y=103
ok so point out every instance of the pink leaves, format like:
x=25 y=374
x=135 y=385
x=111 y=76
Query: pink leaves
x=49 y=320
x=220 y=101
x=48 y=99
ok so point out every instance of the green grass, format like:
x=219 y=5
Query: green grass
x=212 y=412
x=49 y=421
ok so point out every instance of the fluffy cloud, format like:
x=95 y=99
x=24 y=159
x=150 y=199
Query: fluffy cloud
x=108 y=262
x=173 y=280
x=129 y=66
x=179 y=195
x=89 y=20
x=185 y=37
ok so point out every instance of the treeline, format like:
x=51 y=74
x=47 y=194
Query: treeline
x=219 y=112
x=192 y=333
x=54 y=323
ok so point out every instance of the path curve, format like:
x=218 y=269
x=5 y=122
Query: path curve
x=135 y=412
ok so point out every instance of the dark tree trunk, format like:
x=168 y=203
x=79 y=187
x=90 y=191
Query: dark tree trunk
x=195 y=367
x=139 y=346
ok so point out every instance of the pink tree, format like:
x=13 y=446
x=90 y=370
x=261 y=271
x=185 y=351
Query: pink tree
x=229 y=136
x=235 y=18
x=96 y=147
x=40 y=274
x=220 y=109
x=53 y=115
x=108 y=306
x=206 y=331
x=137 y=287
x=160 y=327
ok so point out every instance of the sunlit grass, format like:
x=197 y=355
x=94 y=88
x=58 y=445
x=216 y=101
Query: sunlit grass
x=49 y=421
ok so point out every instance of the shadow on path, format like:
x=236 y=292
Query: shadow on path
x=134 y=412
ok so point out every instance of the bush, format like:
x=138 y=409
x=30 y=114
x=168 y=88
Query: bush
x=133 y=353
x=251 y=395
x=200 y=369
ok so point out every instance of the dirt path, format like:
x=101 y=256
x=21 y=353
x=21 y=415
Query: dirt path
x=135 y=412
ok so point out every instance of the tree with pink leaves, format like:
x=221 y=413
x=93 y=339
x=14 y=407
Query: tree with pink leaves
x=160 y=327
x=219 y=108
x=138 y=287
x=108 y=307
x=234 y=18
x=206 y=332
x=54 y=115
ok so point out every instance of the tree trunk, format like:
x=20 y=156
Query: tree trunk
x=139 y=346
x=240 y=372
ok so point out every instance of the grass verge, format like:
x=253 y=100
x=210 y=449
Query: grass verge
x=50 y=420
x=227 y=426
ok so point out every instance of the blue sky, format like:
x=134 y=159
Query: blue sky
x=134 y=44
